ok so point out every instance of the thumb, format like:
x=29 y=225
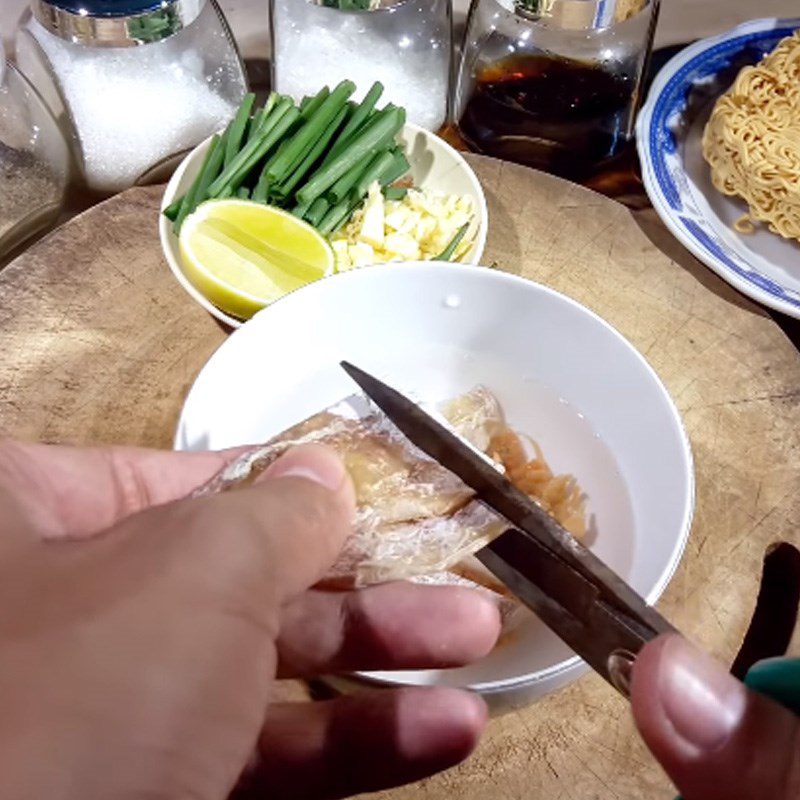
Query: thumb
x=716 y=739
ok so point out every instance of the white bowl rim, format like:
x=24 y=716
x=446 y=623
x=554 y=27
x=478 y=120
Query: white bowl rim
x=171 y=190
x=489 y=273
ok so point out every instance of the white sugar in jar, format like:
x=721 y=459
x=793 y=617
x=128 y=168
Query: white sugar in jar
x=404 y=44
x=134 y=82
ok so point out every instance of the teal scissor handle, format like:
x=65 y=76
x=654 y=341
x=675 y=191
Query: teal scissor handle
x=760 y=659
x=778 y=679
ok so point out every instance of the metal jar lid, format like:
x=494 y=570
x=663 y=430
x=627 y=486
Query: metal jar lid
x=115 y=23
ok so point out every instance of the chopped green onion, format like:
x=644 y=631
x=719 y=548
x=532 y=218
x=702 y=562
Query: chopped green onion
x=260 y=116
x=317 y=211
x=398 y=168
x=335 y=218
x=311 y=130
x=261 y=192
x=373 y=134
x=301 y=209
x=360 y=116
x=199 y=189
x=245 y=155
x=236 y=131
x=271 y=160
x=316 y=158
x=447 y=253
x=310 y=108
x=347 y=5
x=265 y=144
x=171 y=211
x=342 y=187
x=395 y=192
x=255 y=123
x=313 y=155
x=375 y=169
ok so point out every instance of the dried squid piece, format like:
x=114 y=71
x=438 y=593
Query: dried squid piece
x=423 y=546
x=476 y=416
x=559 y=495
x=412 y=517
x=394 y=481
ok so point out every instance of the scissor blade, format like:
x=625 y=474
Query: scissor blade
x=491 y=486
x=497 y=492
x=563 y=599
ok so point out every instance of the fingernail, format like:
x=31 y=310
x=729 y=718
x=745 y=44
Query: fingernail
x=700 y=698
x=312 y=463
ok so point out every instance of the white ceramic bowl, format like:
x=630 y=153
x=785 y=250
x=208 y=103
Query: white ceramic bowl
x=562 y=374
x=434 y=165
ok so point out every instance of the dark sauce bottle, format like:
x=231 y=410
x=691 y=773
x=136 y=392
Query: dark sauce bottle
x=564 y=116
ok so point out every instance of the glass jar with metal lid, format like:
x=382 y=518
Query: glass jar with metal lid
x=404 y=44
x=134 y=82
x=555 y=84
x=34 y=161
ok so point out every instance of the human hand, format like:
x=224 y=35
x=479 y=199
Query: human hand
x=141 y=634
x=715 y=738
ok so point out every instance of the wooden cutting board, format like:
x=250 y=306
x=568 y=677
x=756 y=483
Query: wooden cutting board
x=100 y=344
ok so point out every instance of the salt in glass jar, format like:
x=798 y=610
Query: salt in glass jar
x=34 y=161
x=404 y=44
x=135 y=82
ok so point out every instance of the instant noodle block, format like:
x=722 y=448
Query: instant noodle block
x=752 y=141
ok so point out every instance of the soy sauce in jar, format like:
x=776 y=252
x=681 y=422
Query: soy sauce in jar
x=567 y=117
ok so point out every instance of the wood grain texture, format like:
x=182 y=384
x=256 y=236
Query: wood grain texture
x=100 y=345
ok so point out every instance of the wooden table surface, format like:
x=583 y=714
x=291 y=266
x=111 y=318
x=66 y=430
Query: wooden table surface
x=100 y=344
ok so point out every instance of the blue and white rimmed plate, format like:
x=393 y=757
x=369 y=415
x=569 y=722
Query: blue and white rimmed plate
x=669 y=129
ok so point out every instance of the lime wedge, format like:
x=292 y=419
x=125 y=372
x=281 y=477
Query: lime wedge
x=242 y=255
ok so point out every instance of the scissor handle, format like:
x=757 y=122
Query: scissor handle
x=575 y=606
x=778 y=679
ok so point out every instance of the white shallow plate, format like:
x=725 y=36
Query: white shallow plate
x=669 y=129
x=562 y=374
x=434 y=165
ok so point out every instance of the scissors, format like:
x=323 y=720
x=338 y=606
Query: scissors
x=567 y=586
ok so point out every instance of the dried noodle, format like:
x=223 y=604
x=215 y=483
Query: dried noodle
x=752 y=141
